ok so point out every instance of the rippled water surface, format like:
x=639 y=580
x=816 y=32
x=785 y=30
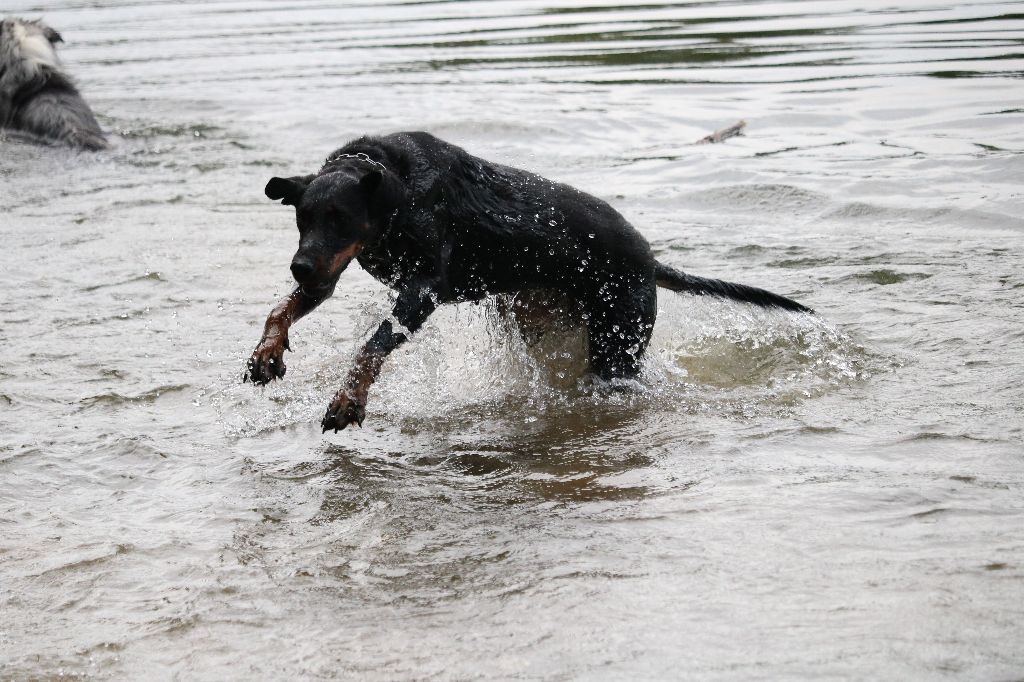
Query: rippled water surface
x=786 y=497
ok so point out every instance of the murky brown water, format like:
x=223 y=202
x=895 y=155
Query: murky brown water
x=788 y=498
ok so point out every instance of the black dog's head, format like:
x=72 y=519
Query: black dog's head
x=338 y=214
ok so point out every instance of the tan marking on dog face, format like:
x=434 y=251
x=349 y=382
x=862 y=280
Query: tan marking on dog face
x=345 y=255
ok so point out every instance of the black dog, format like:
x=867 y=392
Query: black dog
x=439 y=225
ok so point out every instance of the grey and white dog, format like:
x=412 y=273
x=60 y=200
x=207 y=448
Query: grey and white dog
x=36 y=96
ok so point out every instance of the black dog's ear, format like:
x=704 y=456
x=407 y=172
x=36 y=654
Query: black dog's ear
x=288 y=190
x=371 y=181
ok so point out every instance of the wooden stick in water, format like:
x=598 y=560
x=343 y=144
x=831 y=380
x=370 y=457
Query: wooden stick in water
x=723 y=134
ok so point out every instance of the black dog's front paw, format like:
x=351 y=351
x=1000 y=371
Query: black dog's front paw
x=344 y=410
x=267 y=361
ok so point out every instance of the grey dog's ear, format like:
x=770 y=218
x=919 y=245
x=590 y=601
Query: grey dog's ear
x=288 y=190
x=52 y=35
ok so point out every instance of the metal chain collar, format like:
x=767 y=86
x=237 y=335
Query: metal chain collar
x=362 y=156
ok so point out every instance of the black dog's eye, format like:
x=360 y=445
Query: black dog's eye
x=337 y=217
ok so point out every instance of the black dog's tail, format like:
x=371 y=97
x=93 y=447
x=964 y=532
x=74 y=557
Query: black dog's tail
x=677 y=280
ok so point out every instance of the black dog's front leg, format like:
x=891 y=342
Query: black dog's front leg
x=267 y=361
x=413 y=307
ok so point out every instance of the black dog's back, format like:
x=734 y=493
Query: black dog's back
x=507 y=229
x=516 y=230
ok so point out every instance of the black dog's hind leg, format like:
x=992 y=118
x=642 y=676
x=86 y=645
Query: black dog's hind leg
x=620 y=324
x=414 y=306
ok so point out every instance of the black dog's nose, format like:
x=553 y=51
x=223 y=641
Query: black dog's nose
x=301 y=270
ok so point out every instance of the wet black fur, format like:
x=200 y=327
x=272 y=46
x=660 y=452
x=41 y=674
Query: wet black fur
x=440 y=225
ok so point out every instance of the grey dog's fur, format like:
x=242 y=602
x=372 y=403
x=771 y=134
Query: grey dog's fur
x=36 y=96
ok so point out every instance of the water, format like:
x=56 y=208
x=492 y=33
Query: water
x=786 y=497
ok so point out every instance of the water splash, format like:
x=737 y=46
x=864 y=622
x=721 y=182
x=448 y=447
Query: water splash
x=469 y=361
